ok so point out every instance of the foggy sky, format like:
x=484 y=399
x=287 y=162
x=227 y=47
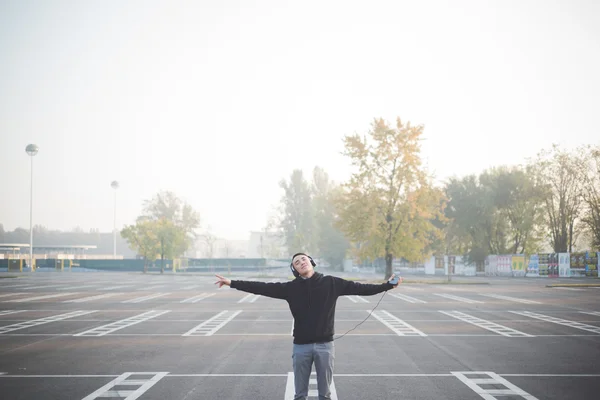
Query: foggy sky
x=219 y=100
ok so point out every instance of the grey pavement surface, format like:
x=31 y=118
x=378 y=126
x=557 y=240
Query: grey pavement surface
x=68 y=335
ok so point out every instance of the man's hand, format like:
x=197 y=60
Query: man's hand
x=222 y=281
x=399 y=280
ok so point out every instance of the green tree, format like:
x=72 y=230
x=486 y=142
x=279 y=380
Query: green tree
x=183 y=218
x=470 y=219
x=499 y=212
x=388 y=206
x=142 y=238
x=171 y=239
x=331 y=243
x=297 y=219
x=518 y=206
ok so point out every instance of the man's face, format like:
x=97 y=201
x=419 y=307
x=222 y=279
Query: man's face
x=302 y=264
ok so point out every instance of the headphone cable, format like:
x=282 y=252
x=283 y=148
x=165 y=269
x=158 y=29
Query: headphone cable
x=368 y=316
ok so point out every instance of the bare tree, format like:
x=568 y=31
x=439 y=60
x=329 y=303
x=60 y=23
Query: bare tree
x=556 y=171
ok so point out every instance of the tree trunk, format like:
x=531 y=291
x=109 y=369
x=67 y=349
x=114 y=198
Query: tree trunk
x=145 y=265
x=388 y=265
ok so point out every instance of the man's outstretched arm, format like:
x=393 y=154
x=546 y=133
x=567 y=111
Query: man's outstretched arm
x=276 y=290
x=364 y=289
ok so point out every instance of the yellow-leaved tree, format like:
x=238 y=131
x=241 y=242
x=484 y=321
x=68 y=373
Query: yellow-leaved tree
x=389 y=206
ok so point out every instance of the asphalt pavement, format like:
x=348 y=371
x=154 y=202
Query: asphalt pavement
x=68 y=335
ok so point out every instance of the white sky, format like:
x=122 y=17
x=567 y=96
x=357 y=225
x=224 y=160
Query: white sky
x=219 y=100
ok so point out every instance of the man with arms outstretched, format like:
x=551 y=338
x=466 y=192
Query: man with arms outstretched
x=311 y=297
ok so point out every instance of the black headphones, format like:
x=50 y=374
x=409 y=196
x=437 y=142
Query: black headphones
x=296 y=274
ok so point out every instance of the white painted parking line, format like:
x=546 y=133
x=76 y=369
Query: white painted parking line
x=48 y=296
x=490 y=326
x=91 y=298
x=408 y=375
x=9 y=294
x=515 y=299
x=313 y=392
x=143 y=385
x=124 y=323
x=21 y=285
x=569 y=288
x=458 y=298
x=596 y=313
x=190 y=287
x=197 y=298
x=7 y=312
x=145 y=298
x=358 y=299
x=491 y=378
x=415 y=289
x=250 y=298
x=398 y=326
x=115 y=287
x=151 y=287
x=406 y=298
x=560 y=321
x=78 y=287
x=41 y=321
x=210 y=326
x=43 y=286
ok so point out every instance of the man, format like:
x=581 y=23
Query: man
x=311 y=297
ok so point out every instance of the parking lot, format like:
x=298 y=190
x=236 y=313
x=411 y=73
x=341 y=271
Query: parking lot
x=176 y=336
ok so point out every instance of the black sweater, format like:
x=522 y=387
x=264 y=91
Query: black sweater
x=311 y=301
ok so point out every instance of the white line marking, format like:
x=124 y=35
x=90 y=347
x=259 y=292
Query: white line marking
x=492 y=379
x=6 y=375
x=9 y=294
x=124 y=323
x=78 y=287
x=115 y=287
x=398 y=326
x=250 y=298
x=596 y=313
x=7 y=312
x=210 y=326
x=145 y=298
x=458 y=298
x=358 y=299
x=406 y=298
x=569 y=288
x=312 y=393
x=91 y=298
x=151 y=287
x=41 y=321
x=22 y=285
x=144 y=385
x=560 y=321
x=515 y=299
x=189 y=287
x=43 y=286
x=48 y=296
x=197 y=298
x=416 y=289
x=490 y=326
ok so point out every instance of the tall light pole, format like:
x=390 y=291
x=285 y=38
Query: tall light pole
x=115 y=186
x=31 y=150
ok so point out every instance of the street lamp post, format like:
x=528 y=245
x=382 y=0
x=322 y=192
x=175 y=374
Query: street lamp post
x=115 y=186
x=31 y=150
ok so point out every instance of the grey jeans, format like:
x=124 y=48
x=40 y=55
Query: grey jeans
x=303 y=356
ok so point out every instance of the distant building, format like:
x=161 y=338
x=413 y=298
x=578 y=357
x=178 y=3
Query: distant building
x=266 y=245
x=221 y=248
